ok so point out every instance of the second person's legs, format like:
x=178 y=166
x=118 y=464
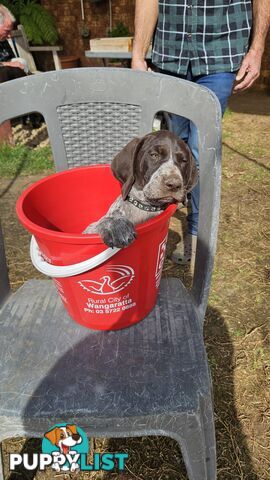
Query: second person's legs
x=221 y=84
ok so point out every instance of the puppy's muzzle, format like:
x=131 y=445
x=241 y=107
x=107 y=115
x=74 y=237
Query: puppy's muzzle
x=173 y=183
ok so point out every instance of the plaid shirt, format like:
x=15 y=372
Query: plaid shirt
x=210 y=36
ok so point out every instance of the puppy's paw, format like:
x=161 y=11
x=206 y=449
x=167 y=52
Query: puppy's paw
x=92 y=228
x=117 y=232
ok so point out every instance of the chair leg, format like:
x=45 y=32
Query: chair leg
x=192 y=448
x=197 y=444
x=207 y=421
x=1 y=463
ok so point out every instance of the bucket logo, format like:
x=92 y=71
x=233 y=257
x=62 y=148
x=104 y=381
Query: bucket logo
x=65 y=448
x=122 y=276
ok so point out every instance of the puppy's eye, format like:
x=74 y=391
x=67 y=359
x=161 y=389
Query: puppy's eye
x=62 y=435
x=154 y=155
x=182 y=158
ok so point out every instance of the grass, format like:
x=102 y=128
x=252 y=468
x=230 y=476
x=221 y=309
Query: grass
x=228 y=112
x=23 y=160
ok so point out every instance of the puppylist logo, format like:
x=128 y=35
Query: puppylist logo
x=65 y=448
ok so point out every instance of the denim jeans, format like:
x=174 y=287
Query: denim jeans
x=221 y=84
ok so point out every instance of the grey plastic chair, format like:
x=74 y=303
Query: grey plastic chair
x=150 y=379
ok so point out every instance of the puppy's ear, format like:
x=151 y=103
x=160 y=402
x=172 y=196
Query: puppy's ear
x=72 y=428
x=190 y=173
x=123 y=165
x=51 y=435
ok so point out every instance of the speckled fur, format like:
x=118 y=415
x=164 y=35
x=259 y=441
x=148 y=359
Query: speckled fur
x=156 y=170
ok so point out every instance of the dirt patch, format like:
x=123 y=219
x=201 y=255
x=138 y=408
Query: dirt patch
x=237 y=321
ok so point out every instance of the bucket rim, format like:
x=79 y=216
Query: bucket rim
x=78 y=238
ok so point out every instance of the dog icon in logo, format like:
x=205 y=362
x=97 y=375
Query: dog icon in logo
x=65 y=438
x=117 y=278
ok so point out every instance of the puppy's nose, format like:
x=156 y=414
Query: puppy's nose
x=173 y=183
x=76 y=436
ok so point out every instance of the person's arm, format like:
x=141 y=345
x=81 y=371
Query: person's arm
x=251 y=65
x=146 y=14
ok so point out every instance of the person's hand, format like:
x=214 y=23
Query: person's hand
x=139 y=64
x=249 y=71
x=17 y=64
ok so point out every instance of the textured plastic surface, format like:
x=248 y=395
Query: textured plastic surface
x=119 y=121
x=168 y=392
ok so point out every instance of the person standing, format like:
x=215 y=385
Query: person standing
x=215 y=43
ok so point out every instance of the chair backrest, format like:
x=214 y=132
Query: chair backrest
x=21 y=43
x=91 y=113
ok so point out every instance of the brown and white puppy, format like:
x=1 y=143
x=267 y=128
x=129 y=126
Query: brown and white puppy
x=155 y=171
x=64 y=438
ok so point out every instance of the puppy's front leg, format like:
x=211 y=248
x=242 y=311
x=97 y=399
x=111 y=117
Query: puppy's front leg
x=115 y=231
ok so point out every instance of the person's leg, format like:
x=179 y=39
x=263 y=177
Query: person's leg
x=221 y=84
x=6 y=74
x=180 y=126
x=194 y=195
x=10 y=73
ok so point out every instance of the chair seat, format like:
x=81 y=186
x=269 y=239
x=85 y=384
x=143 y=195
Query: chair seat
x=53 y=367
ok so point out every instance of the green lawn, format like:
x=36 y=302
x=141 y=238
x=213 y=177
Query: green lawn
x=24 y=160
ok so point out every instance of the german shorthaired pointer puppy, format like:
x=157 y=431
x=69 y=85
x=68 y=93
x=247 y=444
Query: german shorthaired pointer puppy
x=155 y=171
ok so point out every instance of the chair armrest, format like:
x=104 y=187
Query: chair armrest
x=47 y=48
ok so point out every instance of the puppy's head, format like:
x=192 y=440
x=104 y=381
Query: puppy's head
x=64 y=437
x=160 y=164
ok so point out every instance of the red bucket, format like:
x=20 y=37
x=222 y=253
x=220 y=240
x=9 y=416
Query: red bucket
x=101 y=288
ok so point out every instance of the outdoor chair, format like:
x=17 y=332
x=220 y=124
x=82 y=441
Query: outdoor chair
x=20 y=42
x=152 y=378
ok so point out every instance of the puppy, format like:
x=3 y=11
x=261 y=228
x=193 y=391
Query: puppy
x=155 y=171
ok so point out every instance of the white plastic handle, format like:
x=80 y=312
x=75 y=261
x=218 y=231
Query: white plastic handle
x=67 y=270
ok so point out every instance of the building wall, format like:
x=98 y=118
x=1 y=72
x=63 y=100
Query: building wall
x=97 y=19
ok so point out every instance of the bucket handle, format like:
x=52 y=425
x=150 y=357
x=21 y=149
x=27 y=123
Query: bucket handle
x=67 y=270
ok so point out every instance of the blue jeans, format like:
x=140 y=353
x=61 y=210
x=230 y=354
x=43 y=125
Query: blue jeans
x=221 y=84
